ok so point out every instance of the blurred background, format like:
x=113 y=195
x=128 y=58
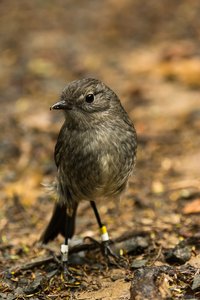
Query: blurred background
x=148 y=53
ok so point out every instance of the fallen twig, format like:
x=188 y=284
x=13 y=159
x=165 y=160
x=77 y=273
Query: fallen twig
x=130 y=243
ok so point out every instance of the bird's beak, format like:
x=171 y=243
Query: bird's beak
x=61 y=105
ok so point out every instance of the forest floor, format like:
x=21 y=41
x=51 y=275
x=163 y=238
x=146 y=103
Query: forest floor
x=157 y=222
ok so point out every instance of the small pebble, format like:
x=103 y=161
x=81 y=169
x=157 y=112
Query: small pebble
x=138 y=263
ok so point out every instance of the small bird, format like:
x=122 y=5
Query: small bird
x=95 y=155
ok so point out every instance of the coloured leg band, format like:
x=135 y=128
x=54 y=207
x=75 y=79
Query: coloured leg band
x=64 y=251
x=104 y=233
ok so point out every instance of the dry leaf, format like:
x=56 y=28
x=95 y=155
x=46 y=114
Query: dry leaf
x=192 y=207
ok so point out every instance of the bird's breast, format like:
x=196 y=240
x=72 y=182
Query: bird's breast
x=97 y=163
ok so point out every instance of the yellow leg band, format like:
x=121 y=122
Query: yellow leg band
x=103 y=229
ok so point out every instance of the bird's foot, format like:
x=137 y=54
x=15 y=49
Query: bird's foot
x=67 y=275
x=108 y=252
x=111 y=256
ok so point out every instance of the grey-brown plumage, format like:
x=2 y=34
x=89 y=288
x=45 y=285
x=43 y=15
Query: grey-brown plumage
x=95 y=151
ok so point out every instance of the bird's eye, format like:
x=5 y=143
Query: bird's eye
x=89 y=98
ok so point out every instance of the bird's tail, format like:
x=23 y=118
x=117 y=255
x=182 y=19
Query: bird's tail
x=60 y=222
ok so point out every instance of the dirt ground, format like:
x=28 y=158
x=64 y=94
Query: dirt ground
x=148 y=53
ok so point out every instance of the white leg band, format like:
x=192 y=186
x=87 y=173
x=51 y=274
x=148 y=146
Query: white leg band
x=104 y=233
x=64 y=249
x=105 y=237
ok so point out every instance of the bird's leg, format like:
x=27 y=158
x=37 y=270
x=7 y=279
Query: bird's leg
x=106 y=249
x=64 y=249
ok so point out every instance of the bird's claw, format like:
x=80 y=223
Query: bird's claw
x=107 y=251
x=69 y=278
x=67 y=275
x=111 y=256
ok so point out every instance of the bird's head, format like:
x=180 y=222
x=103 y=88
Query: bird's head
x=87 y=99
